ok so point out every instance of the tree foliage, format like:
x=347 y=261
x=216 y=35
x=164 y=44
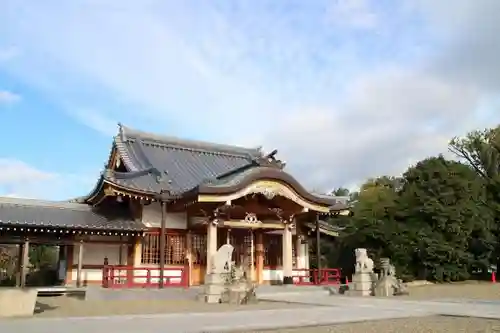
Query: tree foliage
x=437 y=221
x=481 y=151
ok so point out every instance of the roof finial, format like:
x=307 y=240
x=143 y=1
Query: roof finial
x=120 y=130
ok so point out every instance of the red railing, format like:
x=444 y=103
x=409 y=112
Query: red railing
x=142 y=277
x=323 y=276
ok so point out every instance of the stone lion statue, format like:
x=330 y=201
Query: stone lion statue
x=363 y=263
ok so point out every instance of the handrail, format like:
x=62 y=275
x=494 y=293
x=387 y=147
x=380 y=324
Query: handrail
x=121 y=276
x=314 y=276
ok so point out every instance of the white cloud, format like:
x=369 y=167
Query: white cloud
x=357 y=14
x=8 y=53
x=95 y=120
x=13 y=171
x=390 y=119
x=340 y=106
x=19 y=179
x=7 y=97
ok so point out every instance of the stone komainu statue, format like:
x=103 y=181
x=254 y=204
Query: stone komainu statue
x=363 y=263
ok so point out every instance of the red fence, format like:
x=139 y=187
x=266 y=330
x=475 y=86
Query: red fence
x=323 y=276
x=142 y=277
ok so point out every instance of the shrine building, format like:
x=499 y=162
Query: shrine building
x=163 y=206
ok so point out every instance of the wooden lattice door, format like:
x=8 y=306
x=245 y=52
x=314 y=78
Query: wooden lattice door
x=199 y=258
x=243 y=242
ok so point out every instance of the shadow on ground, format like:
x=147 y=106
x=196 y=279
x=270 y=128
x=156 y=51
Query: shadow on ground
x=41 y=307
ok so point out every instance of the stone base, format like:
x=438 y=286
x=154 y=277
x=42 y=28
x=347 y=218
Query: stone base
x=390 y=286
x=213 y=278
x=17 y=302
x=287 y=280
x=212 y=293
x=240 y=293
x=362 y=284
x=359 y=293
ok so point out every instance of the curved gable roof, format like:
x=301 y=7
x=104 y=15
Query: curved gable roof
x=157 y=164
x=246 y=177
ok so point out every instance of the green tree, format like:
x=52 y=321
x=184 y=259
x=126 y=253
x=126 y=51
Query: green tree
x=443 y=218
x=481 y=150
x=341 y=192
x=371 y=225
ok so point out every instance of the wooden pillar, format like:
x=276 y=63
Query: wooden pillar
x=138 y=252
x=162 y=243
x=189 y=257
x=259 y=252
x=70 y=253
x=287 y=255
x=131 y=246
x=211 y=245
x=300 y=250
x=252 y=255
x=318 y=243
x=24 y=261
x=79 y=265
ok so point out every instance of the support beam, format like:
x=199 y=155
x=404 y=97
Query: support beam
x=252 y=255
x=211 y=245
x=162 y=243
x=189 y=257
x=131 y=258
x=24 y=261
x=300 y=250
x=259 y=252
x=79 y=265
x=318 y=243
x=287 y=255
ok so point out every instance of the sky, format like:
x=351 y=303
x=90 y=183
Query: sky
x=344 y=89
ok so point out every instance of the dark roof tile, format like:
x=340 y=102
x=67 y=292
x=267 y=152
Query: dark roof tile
x=174 y=164
x=64 y=215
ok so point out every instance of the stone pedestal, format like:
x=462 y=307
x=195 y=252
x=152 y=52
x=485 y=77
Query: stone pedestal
x=16 y=302
x=362 y=284
x=389 y=285
x=239 y=293
x=215 y=286
x=385 y=287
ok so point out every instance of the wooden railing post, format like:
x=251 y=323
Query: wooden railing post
x=148 y=277
x=112 y=277
x=105 y=273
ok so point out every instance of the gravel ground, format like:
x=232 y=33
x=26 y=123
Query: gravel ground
x=63 y=306
x=73 y=307
x=469 y=289
x=437 y=324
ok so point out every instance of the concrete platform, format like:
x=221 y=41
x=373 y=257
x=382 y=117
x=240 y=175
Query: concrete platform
x=205 y=322
x=315 y=309
x=17 y=302
x=103 y=294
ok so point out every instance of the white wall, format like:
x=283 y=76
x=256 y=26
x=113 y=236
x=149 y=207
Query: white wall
x=94 y=254
x=272 y=274
x=151 y=217
x=174 y=275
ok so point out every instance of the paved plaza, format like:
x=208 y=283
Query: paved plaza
x=313 y=309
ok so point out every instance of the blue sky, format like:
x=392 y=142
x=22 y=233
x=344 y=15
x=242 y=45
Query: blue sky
x=344 y=89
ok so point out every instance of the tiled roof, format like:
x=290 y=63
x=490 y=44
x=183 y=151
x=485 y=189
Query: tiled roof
x=158 y=163
x=238 y=180
x=60 y=215
x=326 y=228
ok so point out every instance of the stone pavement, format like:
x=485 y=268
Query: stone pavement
x=318 y=310
x=204 y=322
x=472 y=308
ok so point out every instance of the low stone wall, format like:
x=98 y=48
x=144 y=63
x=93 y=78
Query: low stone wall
x=16 y=302
x=96 y=293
